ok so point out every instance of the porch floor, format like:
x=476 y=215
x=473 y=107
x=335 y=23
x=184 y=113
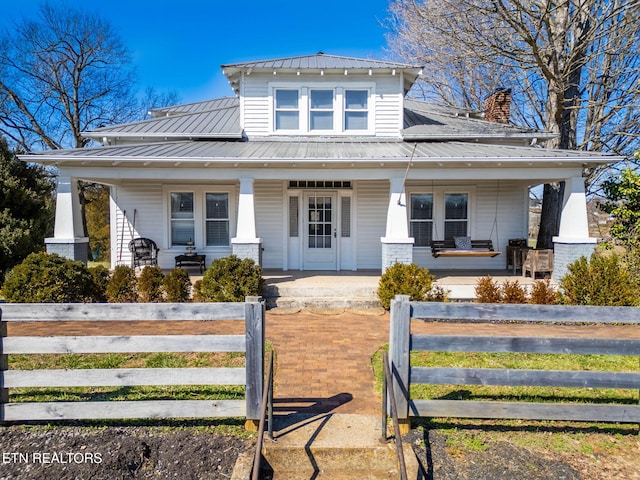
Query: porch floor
x=361 y=286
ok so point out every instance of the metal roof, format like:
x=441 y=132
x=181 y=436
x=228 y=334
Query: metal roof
x=425 y=121
x=320 y=61
x=220 y=118
x=219 y=123
x=196 y=107
x=331 y=150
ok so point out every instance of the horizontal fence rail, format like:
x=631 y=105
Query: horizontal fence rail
x=402 y=342
x=250 y=376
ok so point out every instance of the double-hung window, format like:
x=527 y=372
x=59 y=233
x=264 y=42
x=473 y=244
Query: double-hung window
x=320 y=109
x=182 y=218
x=287 y=109
x=456 y=215
x=421 y=222
x=217 y=221
x=356 y=109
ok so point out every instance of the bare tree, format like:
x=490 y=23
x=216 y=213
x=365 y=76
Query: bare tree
x=573 y=66
x=64 y=73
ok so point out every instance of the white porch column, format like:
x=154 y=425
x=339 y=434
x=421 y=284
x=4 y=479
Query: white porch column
x=68 y=235
x=573 y=240
x=397 y=246
x=246 y=244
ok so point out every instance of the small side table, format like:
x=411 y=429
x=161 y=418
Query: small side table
x=191 y=259
x=516 y=256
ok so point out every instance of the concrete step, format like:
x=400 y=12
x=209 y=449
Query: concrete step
x=322 y=302
x=333 y=290
x=332 y=446
x=336 y=475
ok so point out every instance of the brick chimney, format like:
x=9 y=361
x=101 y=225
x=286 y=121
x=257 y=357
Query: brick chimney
x=497 y=106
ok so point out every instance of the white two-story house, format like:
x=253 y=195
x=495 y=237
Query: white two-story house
x=320 y=162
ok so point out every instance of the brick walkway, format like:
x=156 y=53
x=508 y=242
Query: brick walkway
x=324 y=361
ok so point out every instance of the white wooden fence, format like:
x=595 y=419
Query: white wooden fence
x=402 y=342
x=251 y=375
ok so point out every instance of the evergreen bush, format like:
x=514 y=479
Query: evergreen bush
x=542 y=293
x=150 y=284
x=405 y=279
x=122 y=286
x=488 y=291
x=231 y=279
x=101 y=277
x=48 y=278
x=177 y=285
x=602 y=280
x=513 y=292
x=197 y=291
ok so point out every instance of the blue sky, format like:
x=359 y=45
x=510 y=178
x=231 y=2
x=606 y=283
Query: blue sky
x=181 y=44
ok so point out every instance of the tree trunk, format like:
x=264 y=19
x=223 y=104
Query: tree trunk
x=552 y=198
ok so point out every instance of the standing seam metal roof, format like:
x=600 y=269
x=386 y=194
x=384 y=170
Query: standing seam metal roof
x=307 y=150
x=321 y=61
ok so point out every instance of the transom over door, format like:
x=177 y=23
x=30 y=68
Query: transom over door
x=320 y=234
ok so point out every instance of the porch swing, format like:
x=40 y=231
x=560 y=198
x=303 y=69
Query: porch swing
x=465 y=246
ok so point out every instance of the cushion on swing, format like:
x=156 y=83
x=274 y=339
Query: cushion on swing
x=462 y=243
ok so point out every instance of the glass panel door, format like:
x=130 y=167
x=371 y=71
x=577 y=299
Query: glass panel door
x=320 y=231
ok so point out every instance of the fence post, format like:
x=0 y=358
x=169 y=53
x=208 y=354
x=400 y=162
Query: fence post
x=399 y=338
x=254 y=359
x=4 y=365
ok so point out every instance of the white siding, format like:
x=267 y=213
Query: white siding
x=142 y=204
x=372 y=200
x=388 y=107
x=270 y=208
x=255 y=102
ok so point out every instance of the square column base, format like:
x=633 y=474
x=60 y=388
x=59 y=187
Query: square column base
x=396 y=251
x=71 y=248
x=251 y=249
x=564 y=254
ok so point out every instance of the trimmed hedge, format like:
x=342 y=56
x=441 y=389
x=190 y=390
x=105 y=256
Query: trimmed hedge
x=49 y=278
x=230 y=279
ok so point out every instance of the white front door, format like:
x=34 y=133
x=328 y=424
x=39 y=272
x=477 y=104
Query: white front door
x=320 y=234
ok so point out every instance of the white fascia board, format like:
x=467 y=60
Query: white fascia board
x=195 y=175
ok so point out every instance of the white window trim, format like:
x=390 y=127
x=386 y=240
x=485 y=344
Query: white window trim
x=338 y=110
x=439 y=208
x=199 y=213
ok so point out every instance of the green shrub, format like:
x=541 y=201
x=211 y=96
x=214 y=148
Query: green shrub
x=231 y=279
x=602 y=280
x=48 y=278
x=177 y=285
x=488 y=291
x=122 y=286
x=197 y=291
x=542 y=293
x=150 y=284
x=513 y=292
x=100 y=276
x=405 y=279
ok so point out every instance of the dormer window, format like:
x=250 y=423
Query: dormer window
x=321 y=110
x=356 y=110
x=316 y=109
x=287 y=110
